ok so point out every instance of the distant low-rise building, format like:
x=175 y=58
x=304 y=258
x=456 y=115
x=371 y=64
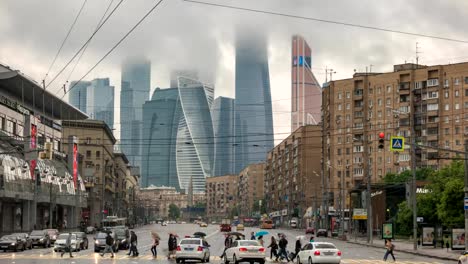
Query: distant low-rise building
x=221 y=196
x=250 y=190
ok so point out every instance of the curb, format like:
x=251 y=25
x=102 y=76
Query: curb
x=407 y=251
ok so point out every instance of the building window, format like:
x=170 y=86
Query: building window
x=339 y=107
x=389 y=160
x=446 y=94
x=466 y=104
x=348 y=117
x=457 y=106
x=371 y=91
x=389 y=89
x=348 y=151
x=340 y=95
x=379 y=90
x=88 y=154
x=432 y=82
x=447 y=131
x=457 y=81
x=379 y=102
x=348 y=106
x=98 y=154
x=389 y=101
x=457 y=93
x=433 y=107
x=338 y=151
x=446 y=119
x=457 y=119
x=88 y=140
x=447 y=107
x=433 y=95
x=446 y=83
x=348 y=95
x=458 y=142
x=371 y=103
x=98 y=141
x=457 y=130
x=339 y=140
x=358 y=149
x=447 y=144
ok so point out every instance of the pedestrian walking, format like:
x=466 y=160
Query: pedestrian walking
x=154 y=246
x=390 y=247
x=172 y=245
x=133 y=244
x=260 y=240
x=227 y=244
x=283 y=243
x=252 y=236
x=109 y=243
x=311 y=239
x=273 y=248
x=68 y=246
x=297 y=249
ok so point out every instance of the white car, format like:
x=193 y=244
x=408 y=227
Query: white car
x=61 y=242
x=193 y=249
x=164 y=224
x=245 y=251
x=319 y=252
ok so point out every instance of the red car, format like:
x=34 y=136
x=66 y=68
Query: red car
x=225 y=228
x=310 y=230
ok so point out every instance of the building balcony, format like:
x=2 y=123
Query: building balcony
x=432 y=125
x=432 y=137
x=432 y=112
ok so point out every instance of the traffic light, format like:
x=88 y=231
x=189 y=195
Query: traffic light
x=381 y=140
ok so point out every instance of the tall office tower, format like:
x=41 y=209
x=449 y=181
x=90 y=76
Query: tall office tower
x=161 y=115
x=135 y=88
x=195 y=140
x=192 y=74
x=222 y=113
x=306 y=93
x=77 y=94
x=100 y=101
x=178 y=136
x=254 y=118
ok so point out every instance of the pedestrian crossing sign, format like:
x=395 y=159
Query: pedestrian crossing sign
x=397 y=143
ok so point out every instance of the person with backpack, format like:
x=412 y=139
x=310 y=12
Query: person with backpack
x=109 y=244
x=274 y=247
x=133 y=244
x=390 y=247
x=283 y=243
x=68 y=246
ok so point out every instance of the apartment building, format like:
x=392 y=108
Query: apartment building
x=250 y=190
x=221 y=196
x=432 y=99
x=292 y=175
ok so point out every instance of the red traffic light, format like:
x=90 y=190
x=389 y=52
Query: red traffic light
x=381 y=135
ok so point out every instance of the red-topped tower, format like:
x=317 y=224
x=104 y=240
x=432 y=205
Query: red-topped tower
x=306 y=93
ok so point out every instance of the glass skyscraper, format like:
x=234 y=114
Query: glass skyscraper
x=178 y=140
x=135 y=88
x=77 y=95
x=222 y=113
x=254 y=117
x=100 y=101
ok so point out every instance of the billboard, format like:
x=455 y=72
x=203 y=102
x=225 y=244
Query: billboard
x=359 y=214
x=75 y=163
x=32 y=146
x=387 y=231
x=428 y=236
x=458 y=238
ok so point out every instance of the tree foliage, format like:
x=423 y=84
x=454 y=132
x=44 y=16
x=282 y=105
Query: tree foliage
x=174 y=211
x=404 y=219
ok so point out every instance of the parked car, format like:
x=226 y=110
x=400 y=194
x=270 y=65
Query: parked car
x=25 y=237
x=10 y=242
x=240 y=227
x=164 y=224
x=203 y=224
x=319 y=252
x=123 y=236
x=53 y=234
x=100 y=242
x=40 y=238
x=81 y=240
x=322 y=232
x=245 y=251
x=293 y=223
x=61 y=242
x=193 y=249
x=310 y=230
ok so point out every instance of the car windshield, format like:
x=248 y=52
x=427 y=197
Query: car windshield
x=52 y=232
x=65 y=236
x=249 y=243
x=190 y=242
x=101 y=235
x=119 y=232
x=37 y=233
x=19 y=234
x=9 y=237
x=324 y=246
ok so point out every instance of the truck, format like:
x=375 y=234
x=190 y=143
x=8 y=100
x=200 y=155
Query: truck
x=225 y=225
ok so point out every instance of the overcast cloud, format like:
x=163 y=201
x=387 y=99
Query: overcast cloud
x=180 y=35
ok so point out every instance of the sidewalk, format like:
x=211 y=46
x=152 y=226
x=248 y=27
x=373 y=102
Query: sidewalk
x=407 y=247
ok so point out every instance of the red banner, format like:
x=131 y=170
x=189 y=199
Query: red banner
x=75 y=164
x=32 y=146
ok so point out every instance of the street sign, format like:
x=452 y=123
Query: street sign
x=466 y=203
x=420 y=219
x=359 y=214
x=397 y=144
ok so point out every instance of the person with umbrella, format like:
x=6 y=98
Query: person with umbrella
x=227 y=244
x=156 y=239
x=172 y=245
x=252 y=236
x=260 y=240
x=297 y=247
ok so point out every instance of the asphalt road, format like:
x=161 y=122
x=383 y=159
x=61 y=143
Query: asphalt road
x=351 y=253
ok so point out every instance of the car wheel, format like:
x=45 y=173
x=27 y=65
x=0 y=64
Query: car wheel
x=234 y=259
x=203 y=259
x=226 y=261
x=310 y=260
x=262 y=262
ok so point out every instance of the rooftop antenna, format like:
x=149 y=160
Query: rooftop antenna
x=417 y=54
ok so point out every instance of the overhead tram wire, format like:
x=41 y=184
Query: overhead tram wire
x=329 y=21
x=116 y=45
x=65 y=39
x=84 y=44
x=87 y=44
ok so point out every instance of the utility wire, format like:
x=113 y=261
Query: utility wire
x=65 y=40
x=328 y=21
x=117 y=44
x=83 y=46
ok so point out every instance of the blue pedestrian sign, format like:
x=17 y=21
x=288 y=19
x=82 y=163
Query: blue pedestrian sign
x=397 y=143
x=466 y=203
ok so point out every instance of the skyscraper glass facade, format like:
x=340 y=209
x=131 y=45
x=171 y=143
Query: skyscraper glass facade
x=253 y=110
x=77 y=95
x=222 y=113
x=135 y=88
x=100 y=101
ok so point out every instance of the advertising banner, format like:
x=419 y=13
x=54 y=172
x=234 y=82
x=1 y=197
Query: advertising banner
x=32 y=146
x=458 y=238
x=428 y=236
x=75 y=164
x=387 y=231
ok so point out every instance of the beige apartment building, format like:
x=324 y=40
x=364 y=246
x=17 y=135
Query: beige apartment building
x=221 y=196
x=250 y=190
x=292 y=175
x=432 y=99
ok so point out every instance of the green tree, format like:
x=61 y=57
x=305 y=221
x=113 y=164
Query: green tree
x=174 y=212
x=404 y=219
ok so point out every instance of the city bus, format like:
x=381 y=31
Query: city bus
x=266 y=224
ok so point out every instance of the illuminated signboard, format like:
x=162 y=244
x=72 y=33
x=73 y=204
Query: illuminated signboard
x=75 y=163
x=32 y=146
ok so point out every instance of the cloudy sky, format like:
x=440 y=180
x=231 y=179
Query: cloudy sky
x=181 y=34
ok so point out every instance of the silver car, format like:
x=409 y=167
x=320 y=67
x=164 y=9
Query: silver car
x=193 y=249
x=319 y=252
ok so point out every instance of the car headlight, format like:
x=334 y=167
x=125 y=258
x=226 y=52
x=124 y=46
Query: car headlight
x=41 y=239
x=97 y=242
x=13 y=244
